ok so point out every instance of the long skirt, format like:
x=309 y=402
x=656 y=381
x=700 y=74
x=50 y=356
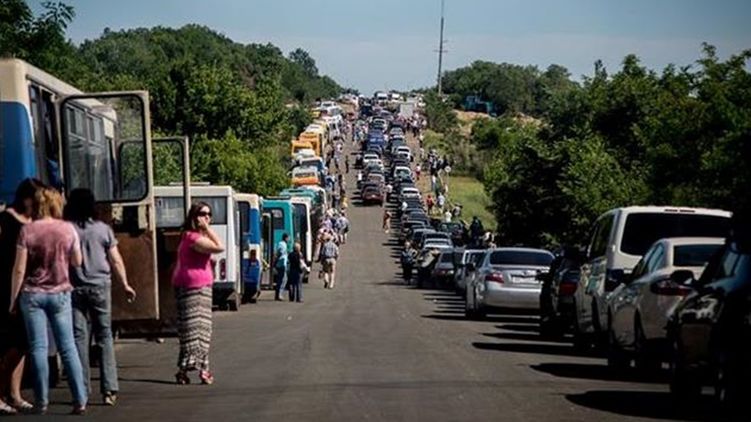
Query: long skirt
x=194 y=327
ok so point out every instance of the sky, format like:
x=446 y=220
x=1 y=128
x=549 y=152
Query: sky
x=391 y=44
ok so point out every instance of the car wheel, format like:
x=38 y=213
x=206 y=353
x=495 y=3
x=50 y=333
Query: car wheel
x=617 y=357
x=645 y=358
x=684 y=384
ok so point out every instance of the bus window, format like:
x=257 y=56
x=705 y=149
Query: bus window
x=277 y=217
x=218 y=205
x=95 y=132
x=244 y=216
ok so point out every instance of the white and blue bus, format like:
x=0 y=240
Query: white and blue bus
x=102 y=141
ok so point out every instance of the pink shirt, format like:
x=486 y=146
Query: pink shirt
x=49 y=244
x=193 y=268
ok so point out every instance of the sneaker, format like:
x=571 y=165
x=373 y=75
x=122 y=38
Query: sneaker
x=78 y=410
x=110 y=399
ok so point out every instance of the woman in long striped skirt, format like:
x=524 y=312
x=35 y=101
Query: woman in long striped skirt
x=193 y=279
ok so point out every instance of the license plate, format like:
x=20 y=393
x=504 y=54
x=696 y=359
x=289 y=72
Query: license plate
x=524 y=280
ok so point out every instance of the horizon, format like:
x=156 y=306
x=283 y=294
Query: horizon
x=352 y=44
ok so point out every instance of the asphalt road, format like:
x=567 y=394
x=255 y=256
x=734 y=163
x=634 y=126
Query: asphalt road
x=375 y=349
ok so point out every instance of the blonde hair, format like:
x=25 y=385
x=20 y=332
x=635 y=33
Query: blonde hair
x=47 y=203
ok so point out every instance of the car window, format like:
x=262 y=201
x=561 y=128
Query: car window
x=643 y=229
x=641 y=266
x=599 y=246
x=728 y=264
x=693 y=255
x=447 y=257
x=655 y=261
x=531 y=258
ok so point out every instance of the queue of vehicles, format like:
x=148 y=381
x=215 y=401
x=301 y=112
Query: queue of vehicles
x=102 y=141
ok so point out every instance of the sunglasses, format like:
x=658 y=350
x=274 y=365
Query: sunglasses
x=204 y=214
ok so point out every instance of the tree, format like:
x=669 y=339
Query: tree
x=301 y=58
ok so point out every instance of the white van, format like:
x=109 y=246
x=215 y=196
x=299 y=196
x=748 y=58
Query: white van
x=617 y=241
x=225 y=219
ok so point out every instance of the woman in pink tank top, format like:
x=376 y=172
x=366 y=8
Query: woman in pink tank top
x=193 y=279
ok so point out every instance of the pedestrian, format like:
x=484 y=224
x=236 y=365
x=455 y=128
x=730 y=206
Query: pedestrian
x=92 y=293
x=404 y=206
x=389 y=191
x=281 y=263
x=193 y=278
x=408 y=261
x=418 y=170
x=433 y=183
x=296 y=269
x=343 y=227
x=329 y=255
x=456 y=212
x=47 y=247
x=386 y=221
x=346 y=163
x=12 y=329
x=335 y=197
x=441 y=201
x=430 y=202
x=447 y=216
x=359 y=178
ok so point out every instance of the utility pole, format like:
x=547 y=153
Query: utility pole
x=441 y=50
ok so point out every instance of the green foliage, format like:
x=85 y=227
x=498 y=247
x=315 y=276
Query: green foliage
x=680 y=138
x=226 y=95
x=439 y=113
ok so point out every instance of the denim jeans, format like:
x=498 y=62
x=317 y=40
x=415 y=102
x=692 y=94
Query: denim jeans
x=38 y=308
x=92 y=317
x=280 y=277
x=295 y=286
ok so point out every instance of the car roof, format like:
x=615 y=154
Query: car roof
x=677 y=241
x=519 y=249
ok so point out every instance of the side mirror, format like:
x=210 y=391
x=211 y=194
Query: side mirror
x=682 y=277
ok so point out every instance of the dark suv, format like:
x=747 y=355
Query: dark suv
x=710 y=332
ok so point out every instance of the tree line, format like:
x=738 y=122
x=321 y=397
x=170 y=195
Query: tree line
x=562 y=152
x=239 y=103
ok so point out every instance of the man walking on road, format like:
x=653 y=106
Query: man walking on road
x=329 y=255
x=297 y=268
x=280 y=266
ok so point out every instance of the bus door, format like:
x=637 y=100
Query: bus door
x=92 y=129
x=172 y=154
x=267 y=225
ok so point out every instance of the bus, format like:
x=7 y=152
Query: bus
x=303 y=208
x=225 y=222
x=252 y=239
x=52 y=131
x=278 y=218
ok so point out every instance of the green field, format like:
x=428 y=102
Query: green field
x=470 y=193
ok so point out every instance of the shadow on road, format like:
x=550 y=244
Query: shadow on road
x=600 y=372
x=533 y=348
x=532 y=327
x=528 y=337
x=645 y=404
x=148 y=381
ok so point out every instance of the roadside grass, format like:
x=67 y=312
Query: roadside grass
x=470 y=193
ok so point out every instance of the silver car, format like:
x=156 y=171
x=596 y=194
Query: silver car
x=506 y=278
x=639 y=308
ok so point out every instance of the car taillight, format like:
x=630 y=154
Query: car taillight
x=612 y=279
x=222 y=269
x=567 y=289
x=669 y=288
x=494 y=278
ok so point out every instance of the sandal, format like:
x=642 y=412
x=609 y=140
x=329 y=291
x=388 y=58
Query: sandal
x=206 y=377
x=6 y=409
x=22 y=406
x=182 y=378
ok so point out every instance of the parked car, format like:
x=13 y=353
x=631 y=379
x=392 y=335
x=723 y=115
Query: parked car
x=710 y=331
x=461 y=258
x=557 y=293
x=457 y=231
x=639 y=308
x=437 y=243
x=506 y=278
x=443 y=271
x=436 y=235
x=617 y=241
x=372 y=195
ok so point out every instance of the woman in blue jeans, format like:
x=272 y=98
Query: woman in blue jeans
x=92 y=296
x=47 y=247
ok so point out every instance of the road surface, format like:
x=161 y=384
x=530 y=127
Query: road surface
x=375 y=349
